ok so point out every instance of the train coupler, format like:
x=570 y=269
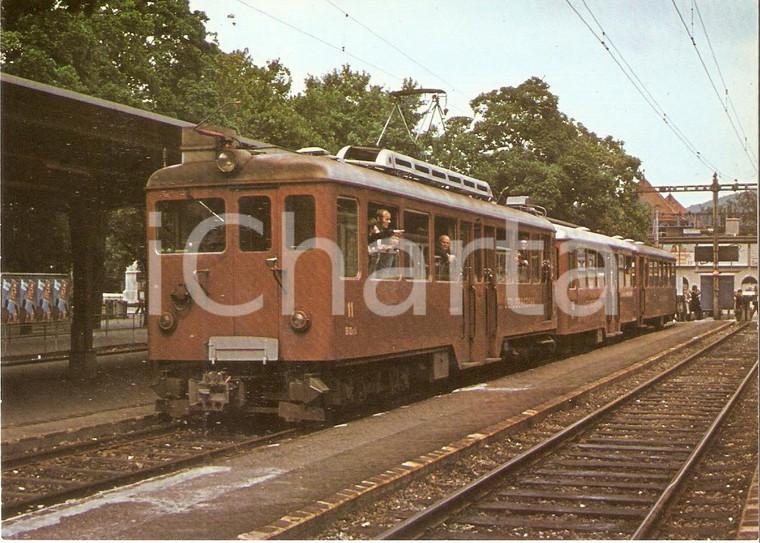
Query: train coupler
x=215 y=392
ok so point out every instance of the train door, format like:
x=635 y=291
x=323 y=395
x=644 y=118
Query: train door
x=612 y=292
x=641 y=279
x=469 y=302
x=257 y=294
x=490 y=295
x=194 y=273
x=546 y=278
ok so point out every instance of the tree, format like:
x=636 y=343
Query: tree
x=527 y=146
x=255 y=100
x=344 y=108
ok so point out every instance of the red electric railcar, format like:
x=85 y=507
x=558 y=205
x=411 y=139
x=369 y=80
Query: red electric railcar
x=266 y=295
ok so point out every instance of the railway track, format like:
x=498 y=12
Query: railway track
x=611 y=474
x=55 y=476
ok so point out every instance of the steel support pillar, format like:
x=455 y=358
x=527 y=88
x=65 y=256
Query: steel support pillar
x=85 y=225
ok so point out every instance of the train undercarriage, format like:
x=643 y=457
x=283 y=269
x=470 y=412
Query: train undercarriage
x=293 y=391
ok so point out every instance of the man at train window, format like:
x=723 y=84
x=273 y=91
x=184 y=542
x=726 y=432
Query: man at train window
x=443 y=258
x=383 y=242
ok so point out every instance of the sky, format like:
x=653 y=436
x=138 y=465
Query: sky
x=676 y=80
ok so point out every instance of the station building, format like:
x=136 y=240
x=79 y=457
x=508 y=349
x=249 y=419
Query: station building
x=689 y=237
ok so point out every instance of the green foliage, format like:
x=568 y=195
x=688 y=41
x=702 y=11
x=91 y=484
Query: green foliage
x=157 y=55
x=139 y=53
x=343 y=108
x=527 y=146
x=125 y=243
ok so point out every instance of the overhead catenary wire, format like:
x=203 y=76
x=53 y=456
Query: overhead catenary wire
x=742 y=142
x=397 y=49
x=317 y=38
x=747 y=147
x=343 y=48
x=641 y=88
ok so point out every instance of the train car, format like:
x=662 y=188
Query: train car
x=656 y=285
x=296 y=283
x=606 y=285
x=266 y=296
x=596 y=287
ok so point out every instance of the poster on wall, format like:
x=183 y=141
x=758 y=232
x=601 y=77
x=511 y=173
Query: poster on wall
x=29 y=298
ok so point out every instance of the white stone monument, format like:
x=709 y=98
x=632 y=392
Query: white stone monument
x=130 y=283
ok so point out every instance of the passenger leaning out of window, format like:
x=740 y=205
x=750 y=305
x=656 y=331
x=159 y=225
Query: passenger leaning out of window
x=443 y=258
x=383 y=242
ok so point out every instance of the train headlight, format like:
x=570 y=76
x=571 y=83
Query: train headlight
x=167 y=321
x=300 y=320
x=231 y=160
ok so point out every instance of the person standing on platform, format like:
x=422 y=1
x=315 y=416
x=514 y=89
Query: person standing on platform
x=695 y=306
x=739 y=305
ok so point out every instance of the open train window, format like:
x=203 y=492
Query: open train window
x=180 y=217
x=382 y=245
x=445 y=226
x=417 y=241
x=348 y=235
x=302 y=210
x=523 y=257
x=260 y=208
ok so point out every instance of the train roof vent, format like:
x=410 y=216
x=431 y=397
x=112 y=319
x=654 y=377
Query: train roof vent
x=524 y=203
x=617 y=237
x=583 y=229
x=407 y=167
x=315 y=151
x=628 y=240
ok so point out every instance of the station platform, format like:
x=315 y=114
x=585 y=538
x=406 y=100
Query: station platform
x=42 y=404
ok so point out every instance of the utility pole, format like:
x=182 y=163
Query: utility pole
x=715 y=188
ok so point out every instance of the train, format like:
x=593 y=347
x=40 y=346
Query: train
x=299 y=283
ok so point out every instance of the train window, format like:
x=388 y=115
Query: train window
x=590 y=268
x=478 y=254
x=260 y=208
x=597 y=271
x=417 y=234
x=348 y=235
x=621 y=270
x=523 y=258
x=180 y=217
x=304 y=221
x=502 y=256
x=489 y=233
x=423 y=169
x=581 y=256
x=444 y=226
x=630 y=271
x=439 y=174
x=404 y=163
x=382 y=245
x=465 y=236
x=536 y=253
x=454 y=179
x=546 y=263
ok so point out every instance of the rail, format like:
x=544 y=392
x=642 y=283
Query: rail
x=418 y=525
